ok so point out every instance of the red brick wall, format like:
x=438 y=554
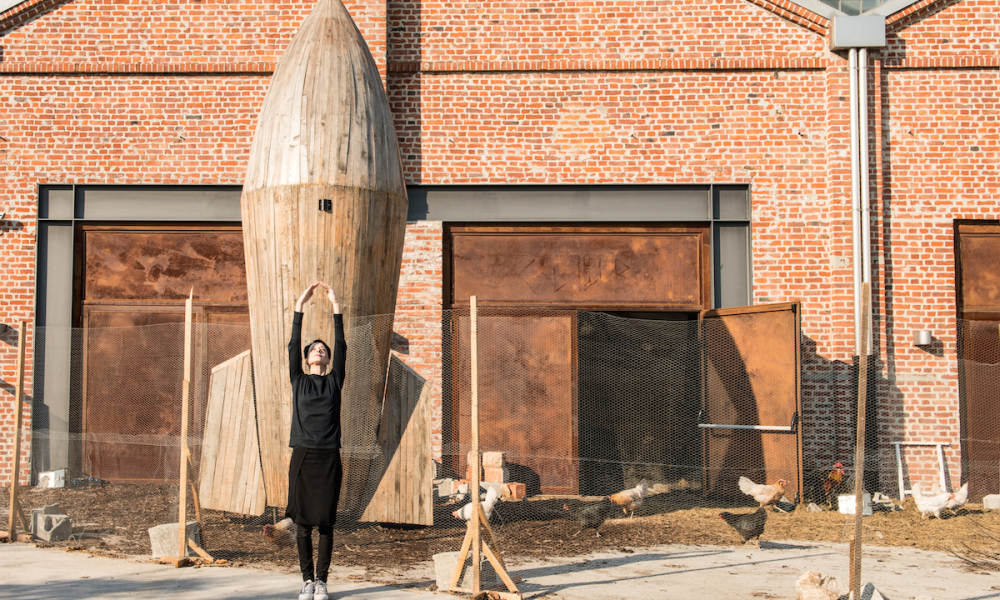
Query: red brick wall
x=621 y=92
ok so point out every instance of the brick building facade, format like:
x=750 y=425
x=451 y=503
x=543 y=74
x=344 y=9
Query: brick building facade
x=736 y=92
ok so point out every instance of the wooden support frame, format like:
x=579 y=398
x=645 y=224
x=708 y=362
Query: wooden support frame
x=859 y=453
x=474 y=540
x=15 y=508
x=185 y=453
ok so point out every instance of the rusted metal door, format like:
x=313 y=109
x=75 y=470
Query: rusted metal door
x=751 y=397
x=133 y=281
x=528 y=360
x=527 y=394
x=978 y=274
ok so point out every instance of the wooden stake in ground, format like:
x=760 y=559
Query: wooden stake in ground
x=15 y=508
x=473 y=540
x=859 y=452
x=182 y=487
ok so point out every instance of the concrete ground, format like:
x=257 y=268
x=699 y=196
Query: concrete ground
x=676 y=572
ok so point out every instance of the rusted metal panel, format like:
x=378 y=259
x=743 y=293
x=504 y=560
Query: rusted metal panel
x=978 y=285
x=750 y=363
x=135 y=276
x=610 y=268
x=527 y=394
x=156 y=264
x=980 y=254
x=980 y=378
x=131 y=409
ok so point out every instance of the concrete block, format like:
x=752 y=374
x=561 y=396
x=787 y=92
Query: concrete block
x=868 y=592
x=445 y=487
x=444 y=568
x=51 y=509
x=163 y=538
x=846 y=504
x=53 y=528
x=991 y=502
x=494 y=459
x=495 y=474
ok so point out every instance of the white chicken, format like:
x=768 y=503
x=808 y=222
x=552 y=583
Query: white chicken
x=959 y=498
x=465 y=513
x=930 y=504
x=763 y=493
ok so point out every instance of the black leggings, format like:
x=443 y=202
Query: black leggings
x=303 y=539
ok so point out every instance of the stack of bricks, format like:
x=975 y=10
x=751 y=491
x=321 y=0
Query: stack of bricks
x=494 y=472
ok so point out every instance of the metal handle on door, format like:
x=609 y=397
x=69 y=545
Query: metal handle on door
x=789 y=428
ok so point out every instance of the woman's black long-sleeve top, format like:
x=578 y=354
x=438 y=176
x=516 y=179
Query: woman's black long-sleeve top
x=316 y=398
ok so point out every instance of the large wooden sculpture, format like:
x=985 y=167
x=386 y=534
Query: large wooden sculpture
x=323 y=200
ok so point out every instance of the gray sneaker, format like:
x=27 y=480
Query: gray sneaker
x=319 y=591
x=307 y=592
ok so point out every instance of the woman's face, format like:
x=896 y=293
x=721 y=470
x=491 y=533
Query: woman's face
x=318 y=355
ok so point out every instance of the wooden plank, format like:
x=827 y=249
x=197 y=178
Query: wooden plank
x=408 y=471
x=26 y=538
x=405 y=490
x=210 y=448
x=859 y=451
x=210 y=433
x=186 y=387
x=474 y=481
x=239 y=447
x=18 y=402
x=222 y=473
x=424 y=460
x=237 y=484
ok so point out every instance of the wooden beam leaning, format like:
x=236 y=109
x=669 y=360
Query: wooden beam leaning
x=15 y=507
x=185 y=388
x=859 y=454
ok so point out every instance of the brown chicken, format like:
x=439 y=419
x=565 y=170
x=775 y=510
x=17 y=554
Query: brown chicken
x=766 y=495
x=748 y=525
x=281 y=533
x=631 y=499
x=833 y=480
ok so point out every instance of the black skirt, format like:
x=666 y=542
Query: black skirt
x=314 y=478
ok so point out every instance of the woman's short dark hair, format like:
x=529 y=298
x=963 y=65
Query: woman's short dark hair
x=305 y=351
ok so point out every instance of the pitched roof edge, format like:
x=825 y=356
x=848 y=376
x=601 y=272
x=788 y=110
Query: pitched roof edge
x=17 y=13
x=796 y=13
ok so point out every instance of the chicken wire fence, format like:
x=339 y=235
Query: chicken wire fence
x=574 y=407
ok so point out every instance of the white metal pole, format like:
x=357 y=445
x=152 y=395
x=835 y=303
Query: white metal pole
x=856 y=259
x=866 y=211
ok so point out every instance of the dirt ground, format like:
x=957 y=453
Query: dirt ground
x=114 y=518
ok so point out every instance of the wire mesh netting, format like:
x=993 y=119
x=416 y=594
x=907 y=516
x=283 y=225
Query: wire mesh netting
x=639 y=427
